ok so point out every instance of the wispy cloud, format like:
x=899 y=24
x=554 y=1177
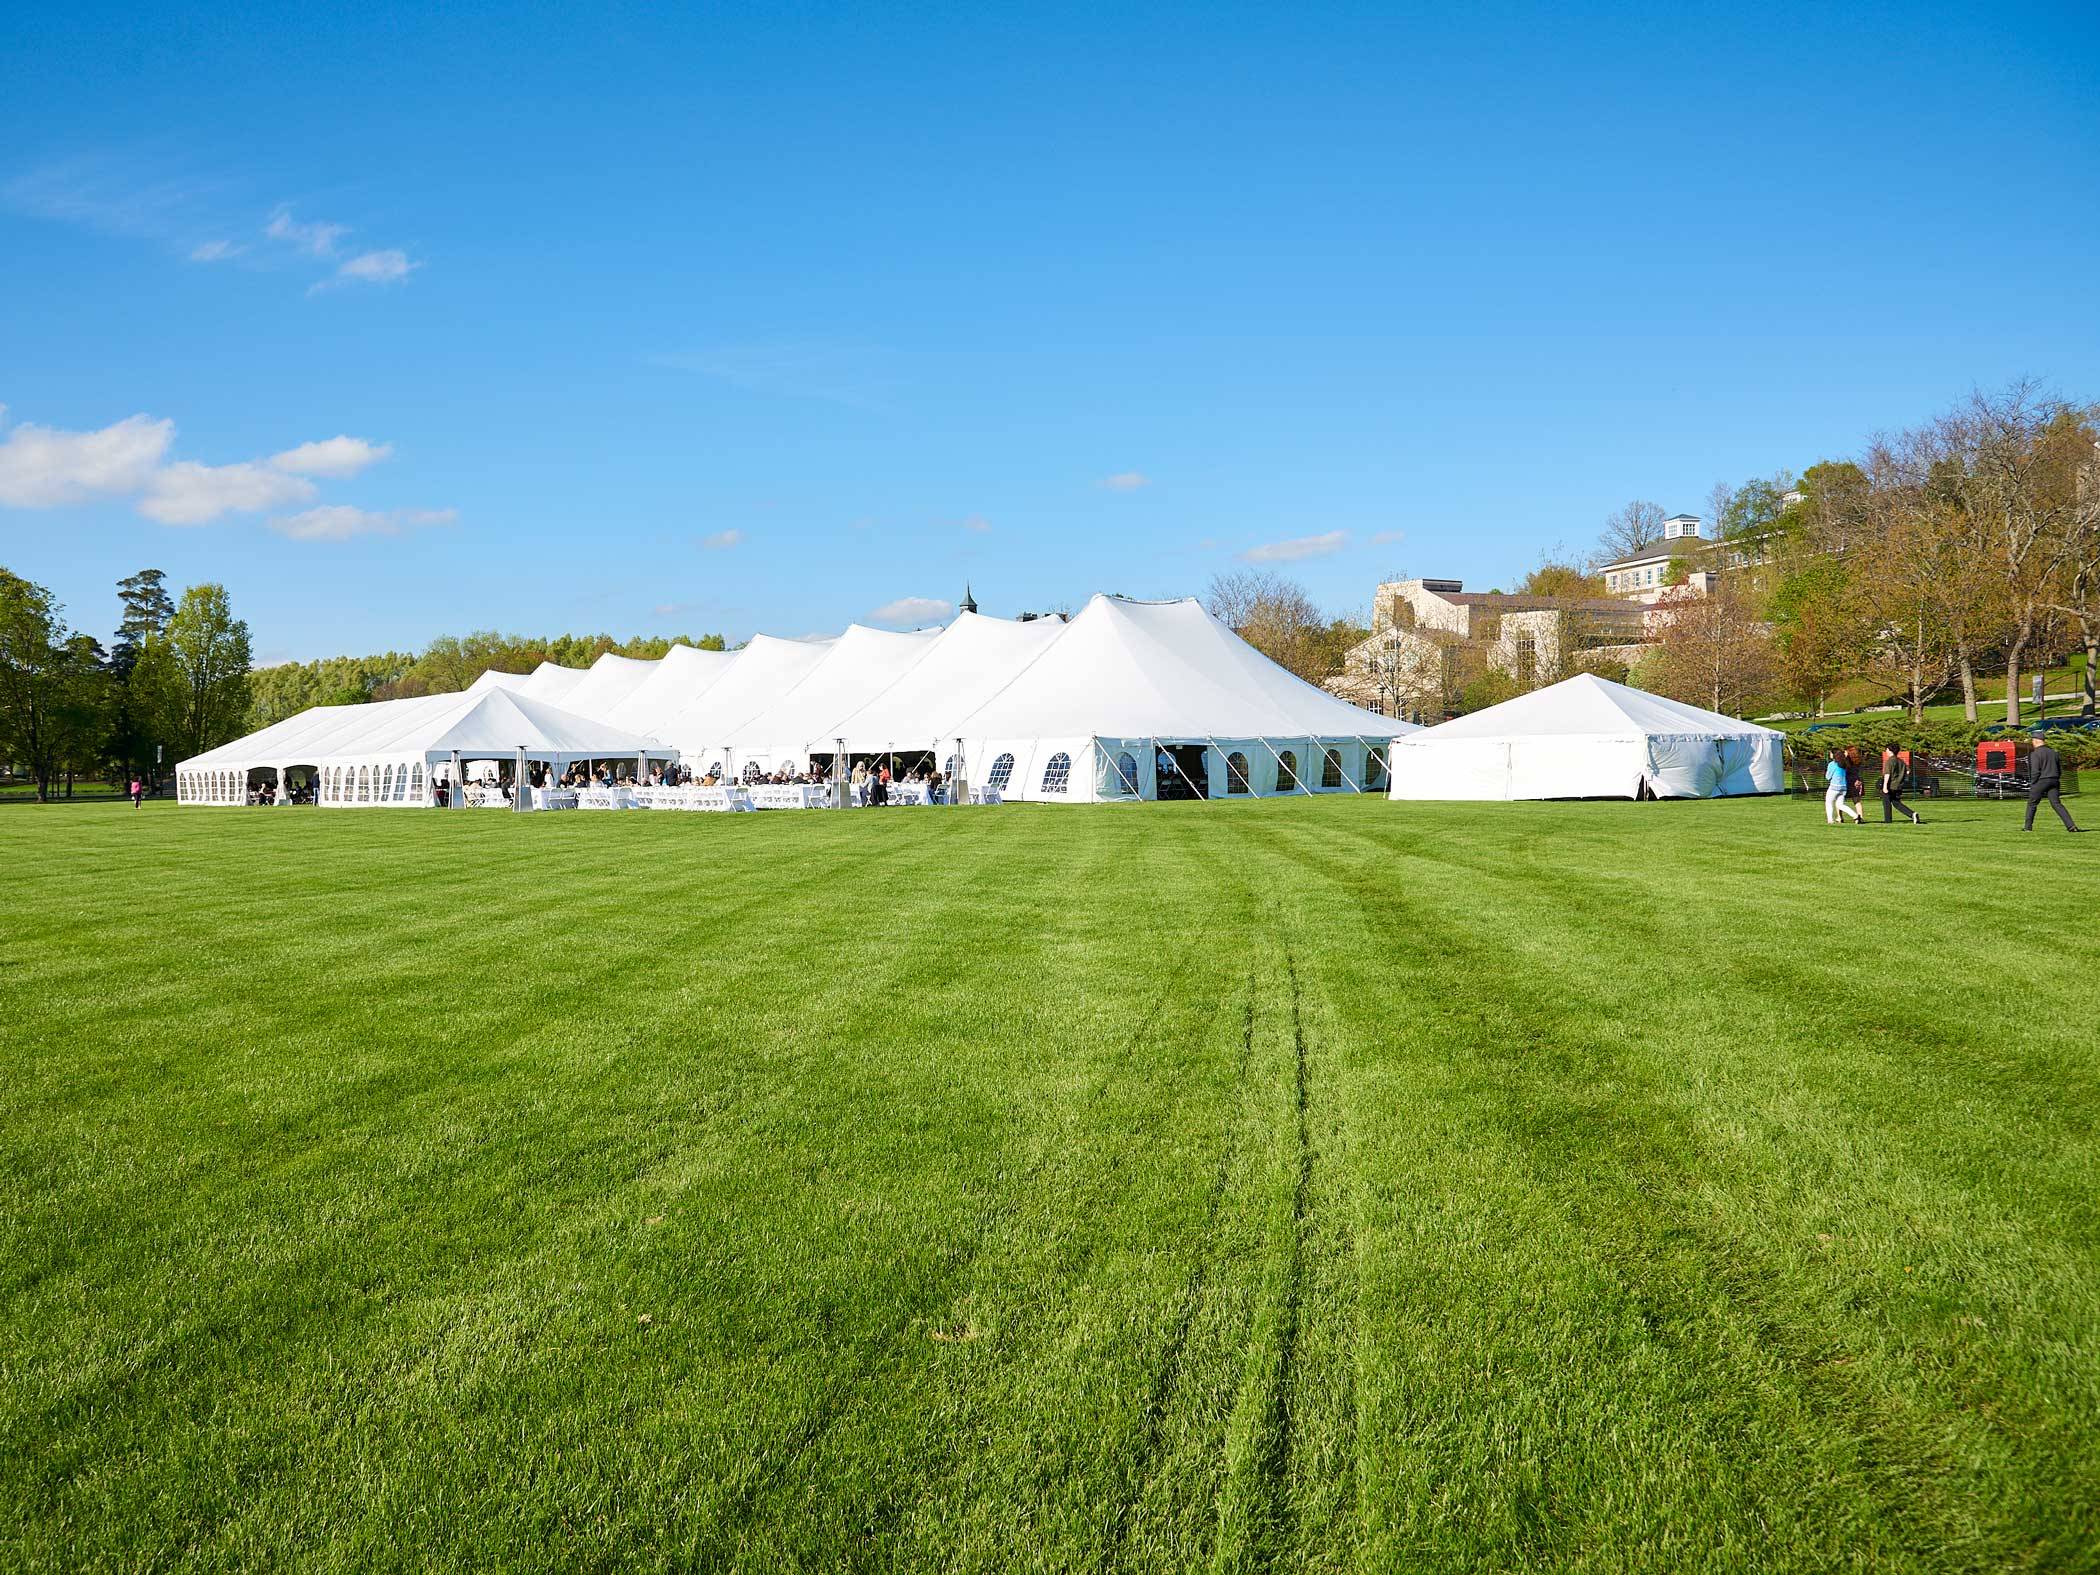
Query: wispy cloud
x=1297 y=548
x=912 y=610
x=341 y=522
x=187 y=493
x=836 y=373
x=334 y=457
x=1125 y=481
x=45 y=467
x=116 y=196
x=722 y=541
x=216 y=251
x=316 y=238
x=977 y=523
x=1387 y=538
x=385 y=267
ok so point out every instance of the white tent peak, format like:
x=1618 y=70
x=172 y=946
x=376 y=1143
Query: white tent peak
x=1587 y=704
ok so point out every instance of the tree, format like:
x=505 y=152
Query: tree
x=2015 y=462
x=198 y=669
x=1631 y=530
x=1818 y=634
x=2081 y=600
x=1561 y=581
x=147 y=609
x=1278 y=618
x=1714 y=652
x=36 y=675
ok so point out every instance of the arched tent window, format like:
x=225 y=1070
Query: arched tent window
x=1002 y=773
x=1126 y=772
x=225 y=786
x=948 y=770
x=415 y=782
x=386 y=782
x=364 y=784
x=1235 y=772
x=1331 y=769
x=1374 y=767
x=401 y=784
x=1287 y=771
x=1057 y=776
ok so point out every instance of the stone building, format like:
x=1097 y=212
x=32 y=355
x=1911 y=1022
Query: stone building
x=1430 y=637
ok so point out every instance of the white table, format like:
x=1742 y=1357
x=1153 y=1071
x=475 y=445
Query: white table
x=694 y=797
x=789 y=795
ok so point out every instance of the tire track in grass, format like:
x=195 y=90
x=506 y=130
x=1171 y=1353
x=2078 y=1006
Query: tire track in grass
x=942 y=1293
x=1661 y=1261
x=1167 y=1375
x=1256 y=1517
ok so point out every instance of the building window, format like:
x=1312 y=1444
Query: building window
x=1287 y=771
x=1331 y=769
x=1002 y=773
x=1126 y=772
x=1235 y=772
x=1057 y=775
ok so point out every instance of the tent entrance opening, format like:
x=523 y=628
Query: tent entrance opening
x=1181 y=771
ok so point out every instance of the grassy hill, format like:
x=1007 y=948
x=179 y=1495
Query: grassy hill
x=1331 y=1184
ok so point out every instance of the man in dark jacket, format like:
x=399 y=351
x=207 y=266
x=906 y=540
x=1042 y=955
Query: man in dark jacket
x=2045 y=780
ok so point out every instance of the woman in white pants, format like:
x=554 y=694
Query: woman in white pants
x=1835 y=803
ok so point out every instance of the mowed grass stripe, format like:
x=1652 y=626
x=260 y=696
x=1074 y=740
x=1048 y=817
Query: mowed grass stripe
x=1011 y=1210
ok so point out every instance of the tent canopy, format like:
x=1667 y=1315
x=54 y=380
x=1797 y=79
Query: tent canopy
x=763 y=671
x=492 y=723
x=1587 y=737
x=859 y=665
x=684 y=674
x=965 y=665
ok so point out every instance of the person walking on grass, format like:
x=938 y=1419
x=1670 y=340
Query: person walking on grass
x=2045 y=780
x=1835 y=803
x=1893 y=770
x=138 y=792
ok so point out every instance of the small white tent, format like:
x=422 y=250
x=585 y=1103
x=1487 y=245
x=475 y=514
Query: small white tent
x=1587 y=737
x=1138 y=699
x=387 y=752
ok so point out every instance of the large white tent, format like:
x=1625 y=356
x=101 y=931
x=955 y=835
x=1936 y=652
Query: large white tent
x=389 y=752
x=1129 y=700
x=968 y=663
x=804 y=720
x=1587 y=737
x=1136 y=700
x=684 y=674
x=764 y=669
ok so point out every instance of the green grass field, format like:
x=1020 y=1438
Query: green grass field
x=1330 y=1185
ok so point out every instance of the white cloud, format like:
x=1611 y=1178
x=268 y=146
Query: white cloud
x=978 y=523
x=1126 y=481
x=44 y=467
x=215 y=251
x=721 y=540
x=382 y=267
x=1298 y=547
x=340 y=522
x=315 y=239
x=912 y=609
x=187 y=493
x=1387 y=538
x=333 y=457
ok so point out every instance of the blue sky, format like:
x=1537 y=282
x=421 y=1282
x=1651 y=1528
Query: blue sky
x=683 y=319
